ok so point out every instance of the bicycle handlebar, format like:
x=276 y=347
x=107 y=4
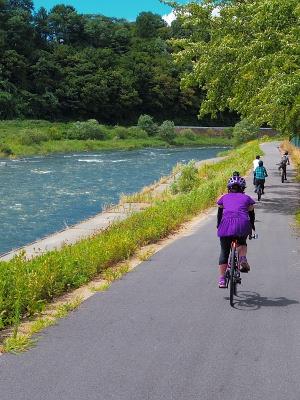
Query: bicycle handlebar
x=253 y=236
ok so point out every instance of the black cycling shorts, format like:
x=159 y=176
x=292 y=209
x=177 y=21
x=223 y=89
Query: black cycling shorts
x=226 y=244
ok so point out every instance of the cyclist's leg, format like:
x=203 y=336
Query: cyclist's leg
x=262 y=186
x=242 y=249
x=284 y=173
x=225 y=243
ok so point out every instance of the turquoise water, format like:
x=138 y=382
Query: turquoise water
x=41 y=195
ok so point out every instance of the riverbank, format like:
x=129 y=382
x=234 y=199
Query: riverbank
x=27 y=138
x=27 y=285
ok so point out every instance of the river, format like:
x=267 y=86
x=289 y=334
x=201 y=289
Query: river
x=41 y=195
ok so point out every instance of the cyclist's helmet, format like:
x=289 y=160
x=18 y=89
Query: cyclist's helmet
x=236 y=181
x=260 y=163
x=236 y=173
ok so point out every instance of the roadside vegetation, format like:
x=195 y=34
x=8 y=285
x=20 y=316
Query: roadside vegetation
x=26 y=286
x=295 y=156
x=23 y=138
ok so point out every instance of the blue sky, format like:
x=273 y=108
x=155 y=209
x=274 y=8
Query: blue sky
x=128 y=9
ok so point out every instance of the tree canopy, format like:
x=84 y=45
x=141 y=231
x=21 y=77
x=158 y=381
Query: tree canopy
x=62 y=65
x=245 y=57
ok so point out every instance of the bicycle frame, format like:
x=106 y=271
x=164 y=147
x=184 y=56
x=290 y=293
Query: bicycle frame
x=233 y=273
x=233 y=276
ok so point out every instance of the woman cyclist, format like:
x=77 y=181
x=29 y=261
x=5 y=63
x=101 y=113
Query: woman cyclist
x=235 y=221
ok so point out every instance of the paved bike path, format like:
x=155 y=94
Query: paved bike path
x=166 y=332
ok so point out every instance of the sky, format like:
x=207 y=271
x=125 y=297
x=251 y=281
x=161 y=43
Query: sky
x=128 y=9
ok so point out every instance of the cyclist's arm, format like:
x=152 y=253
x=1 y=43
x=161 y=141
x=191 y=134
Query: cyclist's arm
x=251 y=216
x=219 y=215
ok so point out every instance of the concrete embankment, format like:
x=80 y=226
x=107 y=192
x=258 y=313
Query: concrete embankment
x=92 y=225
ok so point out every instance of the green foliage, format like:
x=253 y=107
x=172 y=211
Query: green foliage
x=26 y=285
x=148 y=24
x=6 y=150
x=247 y=59
x=167 y=131
x=189 y=134
x=188 y=179
x=147 y=123
x=87 y=130
x=244 y=131
x=31 y=137
x=120 y=132
x=77 y=67
x=136 y=132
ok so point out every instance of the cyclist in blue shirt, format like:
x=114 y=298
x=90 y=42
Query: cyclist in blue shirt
x=260 y=175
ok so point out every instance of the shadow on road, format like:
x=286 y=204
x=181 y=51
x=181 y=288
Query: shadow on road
x=251 y=301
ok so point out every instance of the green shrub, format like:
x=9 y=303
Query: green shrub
x=136 y=132
x=189 y=134
x=87 y=130
x=30 y=137
x=5 y=149
x=188 y=179
x=121 y=132
x=54 y=133
x=146 y=123
x=167 y=131
x=228 y=132
x=244 y=131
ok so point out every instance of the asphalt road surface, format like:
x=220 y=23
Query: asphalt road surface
x=166 y=332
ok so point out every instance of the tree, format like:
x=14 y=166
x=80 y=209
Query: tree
x=246 y=59
x=148 y=24
x=66 y=25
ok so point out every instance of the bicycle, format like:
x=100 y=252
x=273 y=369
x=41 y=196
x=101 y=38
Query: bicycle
x=282 y=172
x=233 y=276
x=259 y=189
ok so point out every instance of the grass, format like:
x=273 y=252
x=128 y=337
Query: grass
x=64 y=309
x=17 y=344
x=36 y=137
x=26 y=286
x=101 y=288
x=40 y=324
x=145 y=255
x=113 y=274
x=298 y=217
x=295 y=156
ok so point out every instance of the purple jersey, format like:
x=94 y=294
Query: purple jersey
x=235 y=220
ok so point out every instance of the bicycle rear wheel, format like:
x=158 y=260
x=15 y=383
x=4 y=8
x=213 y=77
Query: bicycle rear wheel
x=259 y=192
x=232 y=281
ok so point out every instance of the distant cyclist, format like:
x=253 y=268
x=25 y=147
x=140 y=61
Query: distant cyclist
x=255 y=165
x=260 y=175
x=283 y=163
x=235 y=221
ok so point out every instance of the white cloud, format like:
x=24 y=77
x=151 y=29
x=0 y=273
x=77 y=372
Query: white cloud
x=169 y=18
